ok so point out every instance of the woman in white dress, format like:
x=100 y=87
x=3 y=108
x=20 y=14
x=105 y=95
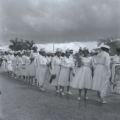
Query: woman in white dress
x=115 y=65
x=14 y=65
x=83 y=75
x=55 y=69
x=31 y=71
x=4 y=62
x=32 y=66
x=64 y=78
x=18 y=64
x=9 y=64
x=102 y=73
x=24 y=68
x=41 y=64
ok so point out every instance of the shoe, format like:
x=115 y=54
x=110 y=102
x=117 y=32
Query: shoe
x=60 y=90
x=42 y=89
x=79 y=98
x=62 y=93
x=86 y=98
x=69 y=93
x=104 y=101
x=57 y=91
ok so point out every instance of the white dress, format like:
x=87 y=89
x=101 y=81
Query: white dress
x=41 y=69
x=55 y=64
x=32 y=66
x=4 y=64
x=18 y=65
x=116 y=73
x=83 y=75
x=31 y=69
x=25 y=63
x=64 y=78
x=9 y=63
x=14 y=64
x=115 y=61
x=101 y=73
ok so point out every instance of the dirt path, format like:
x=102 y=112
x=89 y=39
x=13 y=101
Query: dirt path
x=22 y=103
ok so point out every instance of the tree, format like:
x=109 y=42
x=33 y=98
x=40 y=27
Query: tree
x=106 y=41
x=21 y=44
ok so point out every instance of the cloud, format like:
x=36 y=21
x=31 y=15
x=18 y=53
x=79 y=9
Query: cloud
x=60 y=20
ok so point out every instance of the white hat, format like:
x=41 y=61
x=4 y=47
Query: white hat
x=104 y=46
x=85 y=48
x=42 y=50
x=92 y=51
x=58 y=50
x=67 y=50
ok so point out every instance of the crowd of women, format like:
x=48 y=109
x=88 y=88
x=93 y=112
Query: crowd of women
x=82 y=71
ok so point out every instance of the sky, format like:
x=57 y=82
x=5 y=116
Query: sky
x=47 y=21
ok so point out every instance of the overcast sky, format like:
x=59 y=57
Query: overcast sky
x=59 y=20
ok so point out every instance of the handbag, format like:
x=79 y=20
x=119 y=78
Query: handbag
x=53 y=76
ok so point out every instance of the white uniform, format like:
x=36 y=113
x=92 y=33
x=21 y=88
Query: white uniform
x=101 y=73
x=64 y=78
x=14 y=64
x=18 y=64
x=55 y=64
x=25 y=63
x=9 y=63
x=115 y=61
x=83 y=75
x=116 y=73
x=4 y=63
x=32 y=66
x=41 y=69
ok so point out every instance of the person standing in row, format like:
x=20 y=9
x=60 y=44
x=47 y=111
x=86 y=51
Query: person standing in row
x=55 y=69
x=32 y=66
x=102 y=73
x=41 y=64
x=83 y=75
x=25 y=63
x=64 y=78
x=18 y=64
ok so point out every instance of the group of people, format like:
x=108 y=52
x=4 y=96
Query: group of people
x=82 y=71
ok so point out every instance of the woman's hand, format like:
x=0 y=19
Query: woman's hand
x=73 y=74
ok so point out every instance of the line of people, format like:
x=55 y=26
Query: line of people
x=82 y=71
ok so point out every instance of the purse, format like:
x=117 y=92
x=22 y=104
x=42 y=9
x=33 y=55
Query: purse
x=53 y=76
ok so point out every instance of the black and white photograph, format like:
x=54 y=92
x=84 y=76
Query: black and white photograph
x=59 y=59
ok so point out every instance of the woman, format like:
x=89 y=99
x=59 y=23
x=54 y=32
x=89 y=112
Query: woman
x=41 y=65
x=32 y=65
x=55 y=69
x=102 y=73
x=64 y=78
x=31 y=72
x=18 y=64
x=115 y=77
x=83 y=76
x=24 y=69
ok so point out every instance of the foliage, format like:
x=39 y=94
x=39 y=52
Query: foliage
x=106 y=41
x=20 y=44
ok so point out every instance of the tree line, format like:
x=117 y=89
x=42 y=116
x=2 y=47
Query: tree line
x=16 y=44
